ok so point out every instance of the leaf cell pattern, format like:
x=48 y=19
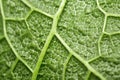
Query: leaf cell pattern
x=59 y=40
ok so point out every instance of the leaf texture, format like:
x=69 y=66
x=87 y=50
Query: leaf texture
x=59 y=39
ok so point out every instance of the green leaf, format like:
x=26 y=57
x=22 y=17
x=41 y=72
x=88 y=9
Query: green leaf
x=59 y=40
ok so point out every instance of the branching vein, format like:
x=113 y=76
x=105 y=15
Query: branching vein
x=65 y=66
x=90 y=68
x=49 y=38
x=38 y=10
x=8 y=40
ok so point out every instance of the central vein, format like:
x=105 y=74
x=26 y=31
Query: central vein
x=49 y=38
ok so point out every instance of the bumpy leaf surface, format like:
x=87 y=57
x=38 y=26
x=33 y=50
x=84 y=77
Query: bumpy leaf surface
x=59 y=39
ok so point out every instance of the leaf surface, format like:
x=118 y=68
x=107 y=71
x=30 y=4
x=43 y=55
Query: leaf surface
x=59 y=40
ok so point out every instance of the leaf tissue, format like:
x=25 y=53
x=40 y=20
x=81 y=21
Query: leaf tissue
x=59 y=39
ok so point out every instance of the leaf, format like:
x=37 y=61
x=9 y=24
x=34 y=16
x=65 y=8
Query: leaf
x=59 y=40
